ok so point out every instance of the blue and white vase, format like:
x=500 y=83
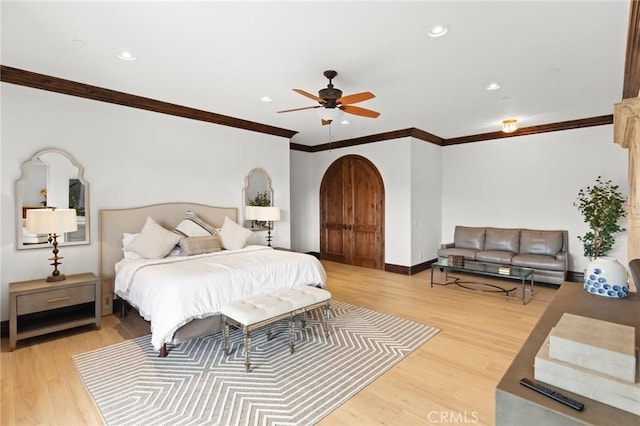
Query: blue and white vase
x=605 y=276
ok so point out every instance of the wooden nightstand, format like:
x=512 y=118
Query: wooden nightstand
x=39 y=307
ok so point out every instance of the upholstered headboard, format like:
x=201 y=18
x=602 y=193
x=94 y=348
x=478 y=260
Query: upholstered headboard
x=114 y=222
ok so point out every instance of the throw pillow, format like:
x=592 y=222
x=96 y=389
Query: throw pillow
x=192 y=225
x=154 y=242
x=232 y=235
x=200 y=245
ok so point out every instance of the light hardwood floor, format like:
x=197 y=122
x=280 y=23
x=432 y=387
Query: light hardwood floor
x=449 y=380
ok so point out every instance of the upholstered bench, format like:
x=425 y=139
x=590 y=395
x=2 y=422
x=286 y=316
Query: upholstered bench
x=263 y=310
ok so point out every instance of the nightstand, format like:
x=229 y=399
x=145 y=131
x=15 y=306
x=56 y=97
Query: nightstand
x=39 y=307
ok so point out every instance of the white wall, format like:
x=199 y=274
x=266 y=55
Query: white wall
x=531 y=181
x=426 y=200
x=131 y=157
x=410 y=171
x=304 y=198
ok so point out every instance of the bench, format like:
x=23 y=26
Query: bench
x=258 y=311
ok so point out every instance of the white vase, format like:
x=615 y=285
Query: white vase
x=605 y=276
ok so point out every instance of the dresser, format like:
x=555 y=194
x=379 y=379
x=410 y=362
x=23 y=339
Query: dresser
x=518 y=405
x=39 y=307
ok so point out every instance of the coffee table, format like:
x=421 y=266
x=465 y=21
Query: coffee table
x=525 y=275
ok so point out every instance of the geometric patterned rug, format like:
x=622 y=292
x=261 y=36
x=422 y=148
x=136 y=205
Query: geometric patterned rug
x=197 y=385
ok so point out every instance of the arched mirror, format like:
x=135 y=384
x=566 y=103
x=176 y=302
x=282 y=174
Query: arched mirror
x=257 y=191
x=53 y=178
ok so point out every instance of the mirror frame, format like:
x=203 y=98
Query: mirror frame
x=19 y=201
x=245 y=193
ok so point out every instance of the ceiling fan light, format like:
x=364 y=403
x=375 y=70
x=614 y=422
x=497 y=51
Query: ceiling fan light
x=329 y=114
x=509 y=125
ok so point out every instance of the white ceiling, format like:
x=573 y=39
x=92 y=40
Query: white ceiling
x=556 y=61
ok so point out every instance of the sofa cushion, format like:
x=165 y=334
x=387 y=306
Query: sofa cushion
x=495 y=256
x=469 y=254
x=469 y=237
x=537 y=261
x=502 y=239
x=540 y=242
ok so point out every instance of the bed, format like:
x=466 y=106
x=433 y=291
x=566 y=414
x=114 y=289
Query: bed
x=206 y=280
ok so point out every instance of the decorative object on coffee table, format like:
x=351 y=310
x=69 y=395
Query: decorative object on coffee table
x=455 y=261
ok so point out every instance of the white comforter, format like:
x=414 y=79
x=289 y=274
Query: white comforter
x=172 y=291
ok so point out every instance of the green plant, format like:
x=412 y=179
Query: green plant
x=262 y=200
x=602 y=206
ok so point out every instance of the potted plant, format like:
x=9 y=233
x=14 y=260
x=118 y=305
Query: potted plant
x=602 y=206
x=261 y=200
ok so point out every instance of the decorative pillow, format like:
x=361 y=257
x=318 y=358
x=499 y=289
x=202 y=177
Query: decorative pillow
x=200 y=245
x=154 y=242
x=232 y=235
x=192 y=226
x=126 y=239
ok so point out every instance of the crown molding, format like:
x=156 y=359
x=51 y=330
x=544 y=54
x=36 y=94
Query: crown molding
x=436 y=140
x=68 y=87
x=73 y=88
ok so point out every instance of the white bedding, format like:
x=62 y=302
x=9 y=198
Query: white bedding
x=172 y=291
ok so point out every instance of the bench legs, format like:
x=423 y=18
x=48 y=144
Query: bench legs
x=247 y=348
x=292 y=331
x=326 y=318
x=248 y=329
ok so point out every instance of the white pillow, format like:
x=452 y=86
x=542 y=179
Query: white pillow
x=126 y=239
x=192 y=226
x=154 y=242
x=232 y=235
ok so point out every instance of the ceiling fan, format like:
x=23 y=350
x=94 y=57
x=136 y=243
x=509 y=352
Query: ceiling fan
x=331 y=99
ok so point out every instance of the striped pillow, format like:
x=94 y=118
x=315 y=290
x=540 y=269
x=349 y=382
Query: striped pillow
x=192 y=226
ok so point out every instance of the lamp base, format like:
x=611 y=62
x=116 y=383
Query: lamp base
x=56 y=278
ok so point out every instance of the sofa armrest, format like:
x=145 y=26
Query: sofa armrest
x=563 y=256
x=447 y=245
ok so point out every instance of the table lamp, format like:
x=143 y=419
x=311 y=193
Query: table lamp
x=266 y=214
x=53 y=222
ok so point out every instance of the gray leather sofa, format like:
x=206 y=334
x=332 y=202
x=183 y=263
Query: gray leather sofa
x=546 y=252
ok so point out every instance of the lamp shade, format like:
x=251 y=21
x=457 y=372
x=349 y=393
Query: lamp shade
x=250 y=213
x=51 y=221
x=270 y=214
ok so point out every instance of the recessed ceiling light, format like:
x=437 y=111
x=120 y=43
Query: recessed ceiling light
x=438 y=31
x=126 y=56
x=344 y=122
x=494 y=86
x=266 y=99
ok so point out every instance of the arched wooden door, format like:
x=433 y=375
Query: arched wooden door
x=352 y=213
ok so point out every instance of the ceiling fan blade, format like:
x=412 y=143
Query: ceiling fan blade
x=309 y=95
x=300 y=109
x=350 y=109
x=355 y=98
